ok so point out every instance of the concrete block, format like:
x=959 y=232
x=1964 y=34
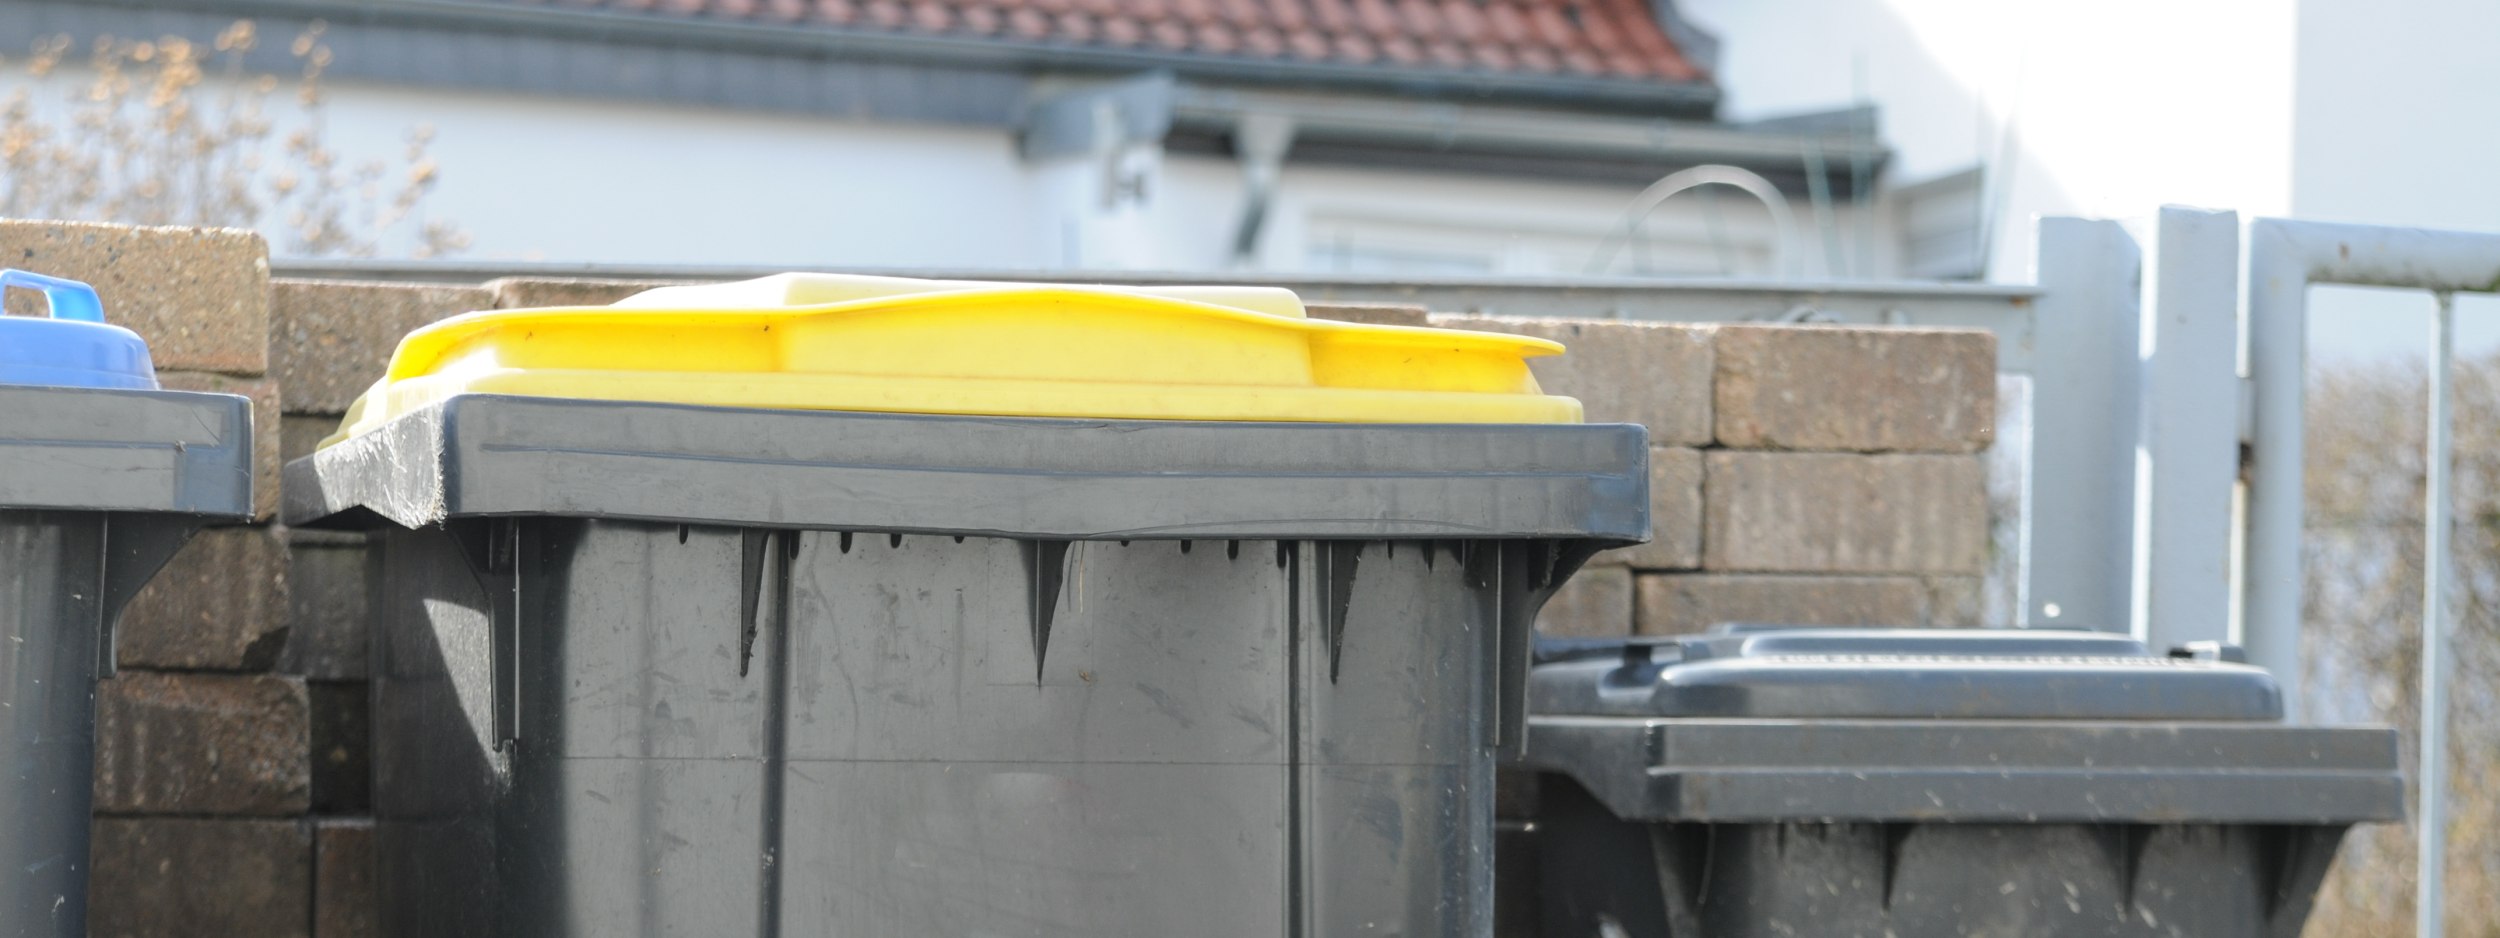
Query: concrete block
x=528 y=292
x=1656 y=374
x=1958 y=601
x=330 y=340
x=1855 y=389
x=1844 y=513
x=326 y=607
x=200 y=296
x=1595 y=602
x=1375 y=314
x=219 y=744
x=1681 y=603
x=164 y=877
x=345 y=904
x=299 y=434
x=220 y=604
x=1675 y=512
x=342 y=746
x=266 y=404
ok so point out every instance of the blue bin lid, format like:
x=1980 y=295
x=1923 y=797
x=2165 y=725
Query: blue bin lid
x=72 y=346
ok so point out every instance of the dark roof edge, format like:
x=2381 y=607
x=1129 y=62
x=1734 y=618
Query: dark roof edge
x=1679 y=98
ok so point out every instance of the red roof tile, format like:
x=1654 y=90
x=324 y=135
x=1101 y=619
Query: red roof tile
x=1617 y=39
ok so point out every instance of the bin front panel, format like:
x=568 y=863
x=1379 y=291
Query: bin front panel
x=51 y=612
x=723 y=731
x=1394 y=775
x=941 y=781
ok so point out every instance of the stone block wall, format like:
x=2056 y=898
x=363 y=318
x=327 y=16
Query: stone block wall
x=1800 y=474
x=1813 y=475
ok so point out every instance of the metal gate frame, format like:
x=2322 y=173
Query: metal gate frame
x=2285 y=258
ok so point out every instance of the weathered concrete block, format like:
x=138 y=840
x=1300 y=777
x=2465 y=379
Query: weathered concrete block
x=1675 y=510
x=1655 y=374
x=345 y=904
x=1855 y=389
x=199 y=295
x=219 y=604
x=528 y=292
x=299 y=434
x=266 y=403
x=1375 y=314
x=1595 y=602
x=1680 y=603
x=1844 y=513
x=163 y=877
x=342 y=746
x=222 y=744
x=1957 y=601
x=326 y=607
x=330 y=340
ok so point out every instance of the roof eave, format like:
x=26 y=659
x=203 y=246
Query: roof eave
x=1678 y=98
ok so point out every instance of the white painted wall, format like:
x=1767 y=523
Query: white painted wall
x=2397 y=124
x=2107 y=108
x=557 y=179
x=537 y=178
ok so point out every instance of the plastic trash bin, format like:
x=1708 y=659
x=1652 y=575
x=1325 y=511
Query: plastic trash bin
x=842 y=651
x=102 y=477
x=1759 y=781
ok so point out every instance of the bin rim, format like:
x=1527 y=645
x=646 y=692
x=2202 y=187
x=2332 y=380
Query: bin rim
x=1028 y=477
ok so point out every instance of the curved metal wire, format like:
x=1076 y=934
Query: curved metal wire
x=1783 y=225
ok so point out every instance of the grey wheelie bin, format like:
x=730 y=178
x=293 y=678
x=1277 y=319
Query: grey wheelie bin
x=102 y=477
x=907 y=624
x=1833 y=782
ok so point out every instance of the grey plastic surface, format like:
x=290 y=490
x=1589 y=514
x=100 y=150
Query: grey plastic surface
x=1013 y=477
x=1822 y=782
x=651 y=669
x=97 y=490
x=99 y=450
x=1968 y=674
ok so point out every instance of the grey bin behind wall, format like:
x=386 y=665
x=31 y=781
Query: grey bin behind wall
x=98 y=488
x=1816 y=782
x=657 y=669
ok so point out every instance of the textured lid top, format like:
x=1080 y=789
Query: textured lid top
x=1963 y=674
x=71 y=346
x=893 y=345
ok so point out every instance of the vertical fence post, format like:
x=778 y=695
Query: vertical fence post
x=2190 y=430
x=2433 y=772
x=2278 y=356
x=2077 y=535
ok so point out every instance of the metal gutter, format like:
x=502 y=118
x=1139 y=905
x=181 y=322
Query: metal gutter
x=1466 y=127
x=580 y=25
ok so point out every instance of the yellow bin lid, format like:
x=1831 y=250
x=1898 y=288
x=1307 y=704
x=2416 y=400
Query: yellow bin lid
x=895 y=345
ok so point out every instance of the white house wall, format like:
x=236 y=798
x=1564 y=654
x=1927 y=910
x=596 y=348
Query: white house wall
x=2104 y=109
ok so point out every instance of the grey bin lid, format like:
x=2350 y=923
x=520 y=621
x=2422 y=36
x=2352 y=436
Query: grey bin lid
x=94 y=449
x=1762 y=723
x=1957 y=674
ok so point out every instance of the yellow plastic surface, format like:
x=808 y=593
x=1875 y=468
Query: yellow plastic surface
x=831 y=342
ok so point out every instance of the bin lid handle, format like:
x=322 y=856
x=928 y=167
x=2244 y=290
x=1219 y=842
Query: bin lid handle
x=67 y=299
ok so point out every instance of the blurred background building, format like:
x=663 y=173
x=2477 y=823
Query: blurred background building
x=1377 y=136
